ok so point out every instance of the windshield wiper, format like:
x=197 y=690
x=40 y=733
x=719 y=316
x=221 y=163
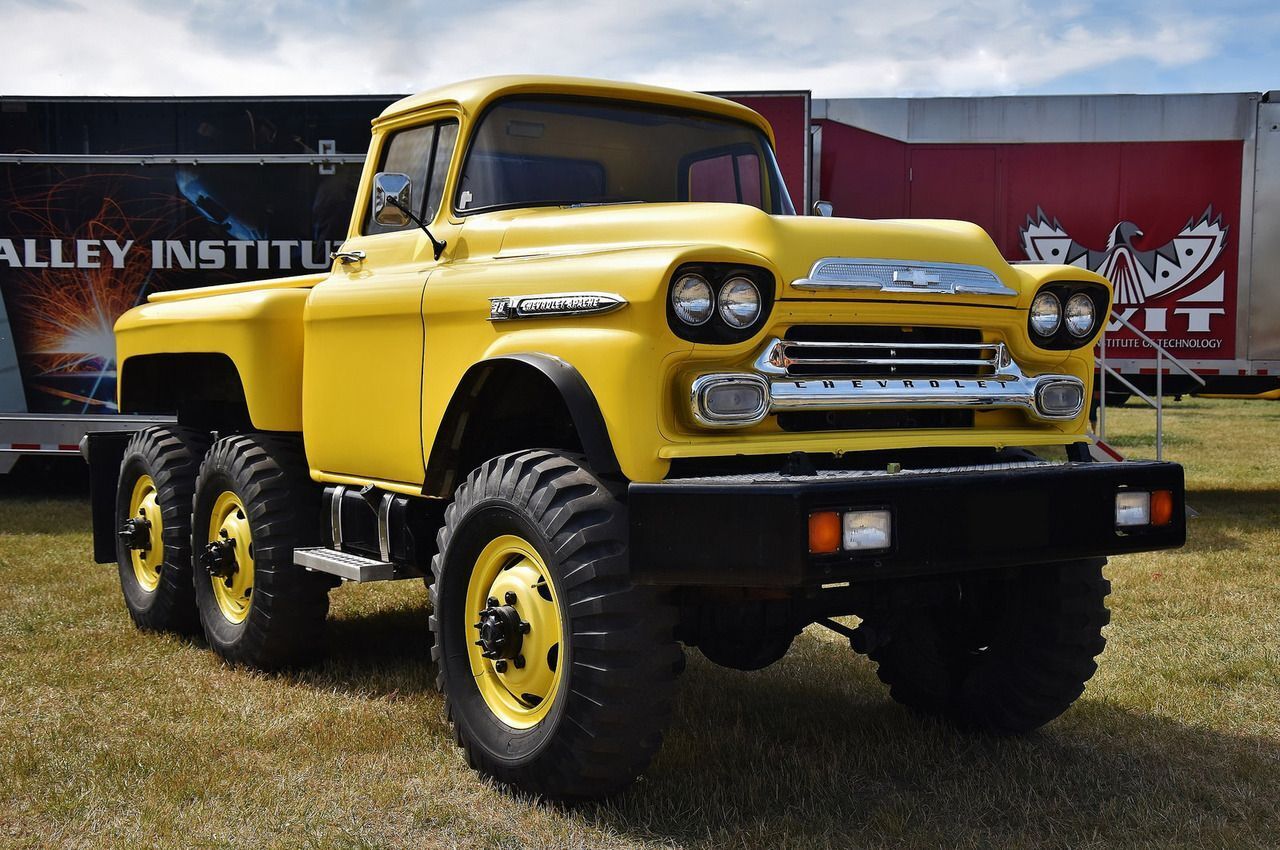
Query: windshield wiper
x=577 y=204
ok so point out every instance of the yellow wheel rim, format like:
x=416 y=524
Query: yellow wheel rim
x=147 y=562
x=229 y=527
x=519 y=690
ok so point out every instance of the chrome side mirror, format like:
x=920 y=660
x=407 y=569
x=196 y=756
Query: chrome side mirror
x=389 y=185
x=823 y=208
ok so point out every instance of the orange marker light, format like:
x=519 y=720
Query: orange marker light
x=824 y=533
x=1161 y=507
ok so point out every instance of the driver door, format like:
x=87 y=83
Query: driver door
x=362 y=366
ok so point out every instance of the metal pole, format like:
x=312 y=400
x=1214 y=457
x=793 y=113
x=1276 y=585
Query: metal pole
x=1159 y=403
x=1102 y=383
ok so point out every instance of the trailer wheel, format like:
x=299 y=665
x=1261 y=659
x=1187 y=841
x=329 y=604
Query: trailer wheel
x=558 y=672
x=1004 y=656
x=153 y=519
x=254 y=503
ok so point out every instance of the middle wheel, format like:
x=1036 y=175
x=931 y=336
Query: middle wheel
x=254 y=503
x=557 y=671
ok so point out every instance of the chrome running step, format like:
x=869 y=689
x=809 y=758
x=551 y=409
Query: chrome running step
x=345 y=565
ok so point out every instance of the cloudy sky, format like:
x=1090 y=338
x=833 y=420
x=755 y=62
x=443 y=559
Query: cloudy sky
x=833 y=47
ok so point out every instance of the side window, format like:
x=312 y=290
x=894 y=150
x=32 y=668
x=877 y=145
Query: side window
x=731 y=178
x=423 y=153
x=445 y=141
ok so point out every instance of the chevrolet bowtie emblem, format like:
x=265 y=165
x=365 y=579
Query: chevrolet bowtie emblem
x=917 y=277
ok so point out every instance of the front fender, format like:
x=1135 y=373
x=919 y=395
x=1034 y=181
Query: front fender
x=572 y=388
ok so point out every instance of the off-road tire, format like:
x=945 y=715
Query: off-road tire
x=619 y=655
x=284 y=627
x=1010 y=658
x=171 y=455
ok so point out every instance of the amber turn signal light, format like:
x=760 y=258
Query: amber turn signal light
x=1161 y=507
x=824 y=533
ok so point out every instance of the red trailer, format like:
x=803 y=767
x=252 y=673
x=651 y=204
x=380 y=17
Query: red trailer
x=1175 y=198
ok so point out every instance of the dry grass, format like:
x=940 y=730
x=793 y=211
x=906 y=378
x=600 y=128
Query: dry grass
x=111 y=738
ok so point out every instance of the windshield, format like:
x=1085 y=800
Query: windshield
x=529 y=152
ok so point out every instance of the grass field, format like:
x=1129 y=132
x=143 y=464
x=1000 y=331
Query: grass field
x=112 y=738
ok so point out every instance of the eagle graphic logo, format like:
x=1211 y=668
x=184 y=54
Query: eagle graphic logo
x=1138 y=276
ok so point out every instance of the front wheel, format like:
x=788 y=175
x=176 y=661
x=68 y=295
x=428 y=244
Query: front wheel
x=557 y=671
x=1003 y=654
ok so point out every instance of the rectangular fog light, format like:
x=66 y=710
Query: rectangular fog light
x=1133 y=508
x=730 y=400
x=867 y=530
x=738 y=400
x=1060 y=399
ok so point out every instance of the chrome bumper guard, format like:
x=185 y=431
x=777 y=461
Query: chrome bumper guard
x=1006 y=388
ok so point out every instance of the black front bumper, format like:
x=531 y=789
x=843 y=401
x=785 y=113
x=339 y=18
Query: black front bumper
x=752 y=530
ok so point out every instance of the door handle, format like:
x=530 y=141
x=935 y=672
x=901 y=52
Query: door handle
x=348 y=257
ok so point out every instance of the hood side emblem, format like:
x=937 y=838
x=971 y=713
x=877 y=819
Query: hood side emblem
x=508 y=307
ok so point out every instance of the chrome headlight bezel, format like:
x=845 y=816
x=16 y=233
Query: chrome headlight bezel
x=1080 y=298
x=681 y=300
x=738 y=302
x=1045 y=315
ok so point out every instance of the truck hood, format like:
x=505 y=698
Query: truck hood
x=790 y=245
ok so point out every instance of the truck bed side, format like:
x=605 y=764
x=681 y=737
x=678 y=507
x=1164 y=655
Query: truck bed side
x=193 y=347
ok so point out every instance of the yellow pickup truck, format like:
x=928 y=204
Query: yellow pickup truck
x=581 y=367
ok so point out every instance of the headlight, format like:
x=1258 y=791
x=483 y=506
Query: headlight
x=719 y=303
x=1066 y=314
x=739 y=302
x=692 y=299
x=1080 y=315
x=1046 y=314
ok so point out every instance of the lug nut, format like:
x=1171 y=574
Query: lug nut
x=500 y=665
x=519 y=659
x=511 y=597
x=493 y=602
x=524 y=627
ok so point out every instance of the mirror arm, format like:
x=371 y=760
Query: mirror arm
x=438 y=245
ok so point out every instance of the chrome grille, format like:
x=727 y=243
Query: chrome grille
x=869 y=352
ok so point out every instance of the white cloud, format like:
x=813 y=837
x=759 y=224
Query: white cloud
x=866 y=47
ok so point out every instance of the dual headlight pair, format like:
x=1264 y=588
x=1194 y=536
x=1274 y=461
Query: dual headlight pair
x=718 y=303
x=1065 y=315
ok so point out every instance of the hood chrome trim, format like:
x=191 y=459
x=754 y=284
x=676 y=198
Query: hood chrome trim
x=880 y=275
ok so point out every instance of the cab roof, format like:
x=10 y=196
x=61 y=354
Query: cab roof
x=472 y=96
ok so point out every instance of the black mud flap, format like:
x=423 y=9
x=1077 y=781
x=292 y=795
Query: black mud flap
x=104 y=452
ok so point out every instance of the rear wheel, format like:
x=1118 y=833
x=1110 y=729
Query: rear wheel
x=557 y=672
x=153 y=518
x=1004 y=655
x=254 y=503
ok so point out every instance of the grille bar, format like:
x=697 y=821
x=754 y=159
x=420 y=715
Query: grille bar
x=810 y=358
x=883 y=361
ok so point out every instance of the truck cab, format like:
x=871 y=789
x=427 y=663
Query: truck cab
x=581 y=367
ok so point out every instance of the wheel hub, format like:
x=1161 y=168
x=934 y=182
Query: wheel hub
x=219 y=558
x=136 y=534
x=501 y=631
x=142 y=533
x=229 y=558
